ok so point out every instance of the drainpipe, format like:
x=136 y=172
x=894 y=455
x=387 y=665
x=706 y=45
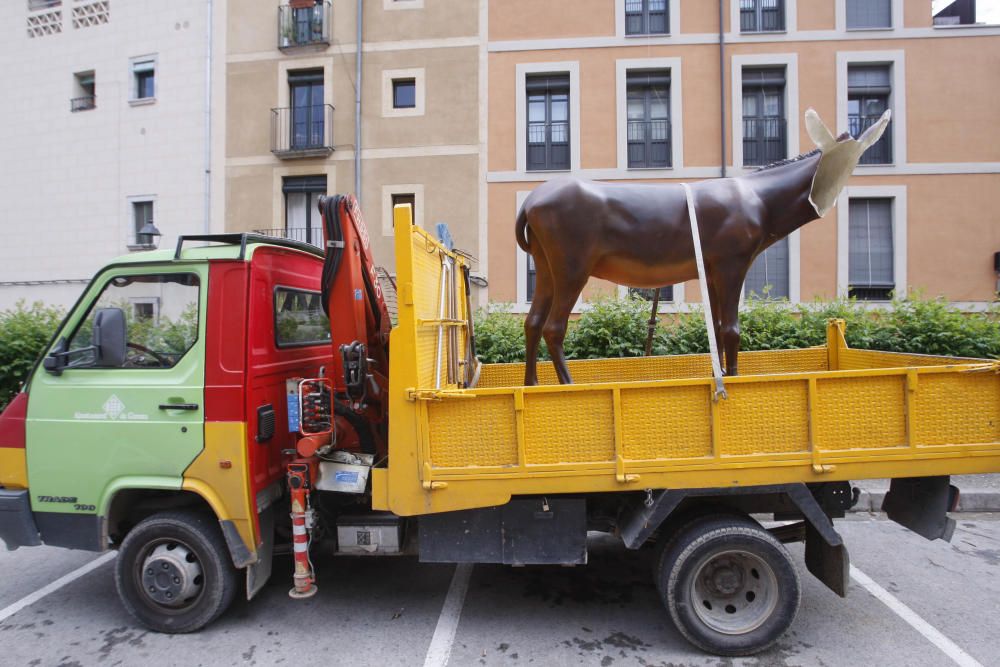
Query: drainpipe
x=207 y=225
x=357 y=111
x=722 y=85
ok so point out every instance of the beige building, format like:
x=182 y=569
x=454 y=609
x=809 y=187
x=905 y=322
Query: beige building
x=290 y=77
x=631 y=90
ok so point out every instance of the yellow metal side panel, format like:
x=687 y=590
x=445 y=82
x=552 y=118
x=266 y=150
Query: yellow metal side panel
x=861 y=413
x=576 y=427
x=765 y=418
x=13 y=468
x=957 y=409
x=860 y=359
x=226 y=489
x=666 y=422
x=477 y=432
x=426 y=294
x=642 y=369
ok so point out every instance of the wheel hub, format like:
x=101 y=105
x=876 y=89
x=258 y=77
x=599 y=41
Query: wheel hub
x=734 y=592
x=171 y=574
x=726 y=580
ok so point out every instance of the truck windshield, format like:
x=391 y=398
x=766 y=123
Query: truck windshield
x=161 y=315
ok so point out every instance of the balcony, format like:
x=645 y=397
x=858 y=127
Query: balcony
x=303 y=24
x=310 y=235
x=881 y=151
x=648 y=144
x=764 y=141
x=302 y=131
x=762 y=15
x=83 y=103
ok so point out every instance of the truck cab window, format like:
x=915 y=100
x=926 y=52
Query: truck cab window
x=161 y=316
x=299 y=318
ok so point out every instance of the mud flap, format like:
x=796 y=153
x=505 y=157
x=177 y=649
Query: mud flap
x=827 y=562
x=921 y=504
x=258 y=573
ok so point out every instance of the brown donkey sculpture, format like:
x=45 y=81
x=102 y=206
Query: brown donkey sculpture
x=640 y=235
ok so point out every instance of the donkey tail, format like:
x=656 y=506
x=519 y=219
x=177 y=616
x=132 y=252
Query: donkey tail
x=521 y=230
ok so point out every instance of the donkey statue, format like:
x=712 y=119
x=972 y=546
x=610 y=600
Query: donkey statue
x=640 y=235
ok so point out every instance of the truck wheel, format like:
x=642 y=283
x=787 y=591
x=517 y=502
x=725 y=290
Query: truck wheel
x=174 y=573
x=729 y=585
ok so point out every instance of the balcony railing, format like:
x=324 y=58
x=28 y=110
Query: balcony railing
x=83 y=103
x=303 y=26
x=311 y=235
x=762 y=15
x=649 y=143
x=302 y=131
x=763 y=141
x=881 y=151
x=548 y=145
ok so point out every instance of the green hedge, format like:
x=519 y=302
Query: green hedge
x=24 y=332
x=618 y=328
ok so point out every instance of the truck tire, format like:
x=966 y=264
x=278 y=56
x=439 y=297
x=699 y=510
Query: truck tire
x=729 y=585
x=174 y=573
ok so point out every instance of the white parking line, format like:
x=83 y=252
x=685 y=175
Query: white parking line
x=933 y=635
x=31 y=599
x=439 y=652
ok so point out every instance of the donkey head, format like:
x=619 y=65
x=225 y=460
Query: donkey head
x=838 y=159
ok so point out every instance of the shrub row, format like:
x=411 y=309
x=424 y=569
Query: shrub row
x=24 y=332
x=618 y=328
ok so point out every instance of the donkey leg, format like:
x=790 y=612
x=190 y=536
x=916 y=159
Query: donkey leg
x=730 y=313
x=716 y=299
x=541 y=303
x=563 y=300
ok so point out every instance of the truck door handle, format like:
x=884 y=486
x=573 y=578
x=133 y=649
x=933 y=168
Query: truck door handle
x=178 y=406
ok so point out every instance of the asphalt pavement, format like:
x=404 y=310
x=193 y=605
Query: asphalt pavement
x=941 y=606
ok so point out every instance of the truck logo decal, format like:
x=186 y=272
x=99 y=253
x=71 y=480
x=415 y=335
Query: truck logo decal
x=114 y=410
x=57 y=499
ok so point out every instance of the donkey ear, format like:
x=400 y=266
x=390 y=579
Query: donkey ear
x=818 y=131
x=872 y=134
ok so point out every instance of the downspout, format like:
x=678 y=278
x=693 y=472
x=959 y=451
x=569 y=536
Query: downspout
x=357 y=109
x=207 y=225
x=722 y=85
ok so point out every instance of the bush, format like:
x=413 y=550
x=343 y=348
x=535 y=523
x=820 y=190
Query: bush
x=617 y=328
x=24 y=332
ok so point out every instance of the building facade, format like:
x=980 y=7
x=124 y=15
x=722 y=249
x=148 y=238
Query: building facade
x=105 y=129
x=292 y=124
x=643 y=91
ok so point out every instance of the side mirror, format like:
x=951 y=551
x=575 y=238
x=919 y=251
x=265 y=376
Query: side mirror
x=109 y=337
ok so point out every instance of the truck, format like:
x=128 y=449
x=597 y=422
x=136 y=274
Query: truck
x=202 y=408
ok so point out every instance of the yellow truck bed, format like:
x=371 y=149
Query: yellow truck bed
x=820 y=414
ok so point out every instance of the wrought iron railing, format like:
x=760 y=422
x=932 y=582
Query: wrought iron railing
x=881 y=151
x=83 y=103
x=649 y=143
x=764 y=141
x=548 y=145
x=302 y=26
x=311 y=235
x=302 y=131
x=762 y=15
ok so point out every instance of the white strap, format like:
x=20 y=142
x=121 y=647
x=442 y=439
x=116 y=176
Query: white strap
x=713 y=345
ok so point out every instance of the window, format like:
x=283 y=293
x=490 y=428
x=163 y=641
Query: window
x=299 y=318
x=409 y=199
x=84 y=92
x=529 y=290
x=142 y=213
x=36 y=5
x=868 y=90
x=161 y=317
x=764 y=126
x=404 y=93
x=648 y=114
x=302 y=219
x=862 y=14
x=870 y=270
x=646 y=294
x=768 y=275
x=303 y=22
x=960 y=12
x=308 y=127
x=548 y=122
x=144 y=79
x=646 y=17
x=762 y=15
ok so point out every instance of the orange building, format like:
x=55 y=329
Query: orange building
x=655 y=91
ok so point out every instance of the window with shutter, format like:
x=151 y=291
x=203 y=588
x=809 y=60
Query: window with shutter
x=862 y=14
x=870 y=250
x=768 y=275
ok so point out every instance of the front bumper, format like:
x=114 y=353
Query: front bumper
x=17 y=525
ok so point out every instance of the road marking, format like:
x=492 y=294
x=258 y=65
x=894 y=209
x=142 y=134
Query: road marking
x=31 y=599
x=439 y=652
x=950 y=648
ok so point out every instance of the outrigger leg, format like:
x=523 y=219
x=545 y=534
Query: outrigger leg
x=299 y=484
